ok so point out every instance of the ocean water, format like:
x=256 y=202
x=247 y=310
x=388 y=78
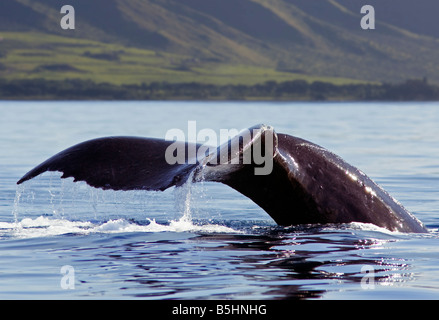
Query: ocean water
x=66 y=240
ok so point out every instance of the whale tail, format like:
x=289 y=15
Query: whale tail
x=293 y=180
x=118 y=163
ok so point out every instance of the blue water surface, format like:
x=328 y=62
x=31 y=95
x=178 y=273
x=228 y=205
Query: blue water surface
x=66 y=240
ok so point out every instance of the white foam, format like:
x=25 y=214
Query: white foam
x=182 y=225
x=367 y=227
x=44 y=226
x=41 y=227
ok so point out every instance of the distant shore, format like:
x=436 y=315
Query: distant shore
x=297 y=90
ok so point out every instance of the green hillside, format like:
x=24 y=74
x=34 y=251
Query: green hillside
x=30 y=55
x=219 y=41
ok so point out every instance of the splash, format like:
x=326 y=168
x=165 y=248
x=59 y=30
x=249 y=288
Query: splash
x=18 y=192
x=47 y=227
x=184 y=198
x=55 y=224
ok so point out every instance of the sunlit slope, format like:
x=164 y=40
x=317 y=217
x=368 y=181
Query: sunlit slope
x=37 y=55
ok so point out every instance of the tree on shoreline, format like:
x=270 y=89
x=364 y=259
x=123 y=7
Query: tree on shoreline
x=74 y=89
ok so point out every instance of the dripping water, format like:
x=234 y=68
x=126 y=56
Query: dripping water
x=18 y=193
x=184 y=199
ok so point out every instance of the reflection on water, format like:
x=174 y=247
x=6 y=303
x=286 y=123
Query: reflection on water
x=280 y=264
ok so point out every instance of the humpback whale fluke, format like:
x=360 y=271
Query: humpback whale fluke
x=307 y=184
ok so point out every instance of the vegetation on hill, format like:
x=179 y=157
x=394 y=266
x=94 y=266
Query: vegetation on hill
x=32 y=55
